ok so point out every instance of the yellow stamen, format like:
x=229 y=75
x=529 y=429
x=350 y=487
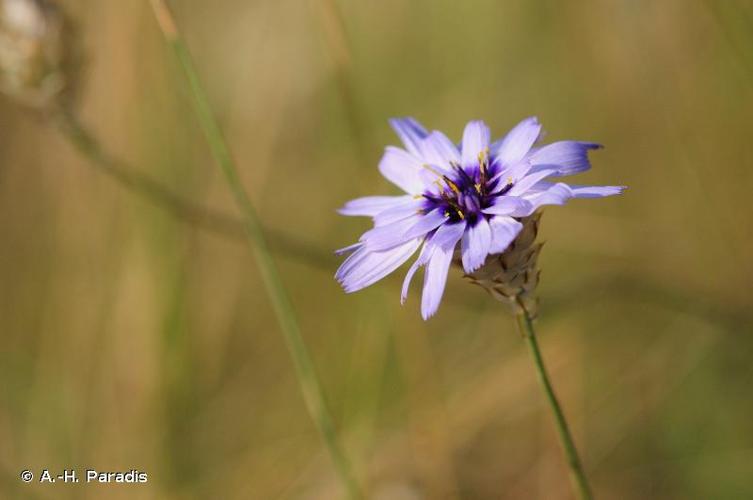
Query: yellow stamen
x=483 y=160
x=444 y=178
x=452 y=185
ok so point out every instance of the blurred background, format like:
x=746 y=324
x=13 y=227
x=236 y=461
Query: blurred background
x=135 y=336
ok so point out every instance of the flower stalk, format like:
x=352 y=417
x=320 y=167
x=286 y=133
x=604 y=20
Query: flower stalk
x=304 y=368
x=577 y=475
x=511 y=278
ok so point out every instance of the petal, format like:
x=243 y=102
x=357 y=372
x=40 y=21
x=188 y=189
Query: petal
x=399 y=211
x=411 y=132
x=554 y=194
x=518 y=141
x=348 y=249
x=449 y=234
x=423 y=257
x=596 y=191
x=539 y=187
x=364 y=267
x=389 y=235
x=475 y=246
x=435 y=280
x=402 y=169
x=521 y=187
x=558 y=194
x=511 y=174
x=349 y=263
x=425 y=223
x=494 y=147
x=568 y=157
x=510 y=205
x=430 y=174
x=504 y=231
x=372 y=205
x=475 y=140
x=438 y=150
x=446 y=237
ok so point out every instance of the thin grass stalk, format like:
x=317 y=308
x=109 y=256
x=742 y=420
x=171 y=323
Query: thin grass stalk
x=304 y=368
x=183 y=209
x=339 y=49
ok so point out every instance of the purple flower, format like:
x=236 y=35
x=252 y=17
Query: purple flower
x=473 y=195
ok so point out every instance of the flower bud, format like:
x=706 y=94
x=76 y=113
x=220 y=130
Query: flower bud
x=33 y=52
x=512 y=276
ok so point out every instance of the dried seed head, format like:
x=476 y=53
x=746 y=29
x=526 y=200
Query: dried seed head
x=34 y=52
x=512 y=276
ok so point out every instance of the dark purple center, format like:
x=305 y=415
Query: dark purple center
x=466 y=192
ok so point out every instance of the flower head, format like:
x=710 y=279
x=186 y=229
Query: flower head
x=475 y=194
x=37 y=56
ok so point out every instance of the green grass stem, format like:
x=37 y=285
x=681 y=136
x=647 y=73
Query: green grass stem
x=304 y=368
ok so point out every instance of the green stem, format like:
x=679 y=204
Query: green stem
x=577 y=476
x=304 y=368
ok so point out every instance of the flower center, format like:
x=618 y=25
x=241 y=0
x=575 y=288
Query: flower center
x=466 y=192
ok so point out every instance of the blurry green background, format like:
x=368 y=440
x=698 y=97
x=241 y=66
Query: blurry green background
x=130 y=339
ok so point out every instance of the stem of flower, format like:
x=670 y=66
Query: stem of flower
x=577 y=476
x=310 y=386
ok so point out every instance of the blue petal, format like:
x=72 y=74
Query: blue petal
x=422 y=259
x=475 y=140
x=364 y=267
x=475 y=245
x=402 y=169
x=446 y=237
x=518 y=141
x=435 y=280
x=596 y=191
x=435 y=277
x=504 y=231
x=511 y=174
x=410 y=132
x=510 y=205
x=523 y=185
x=568 y=157
x=389 y=235
x=558 y=194
x=399 y=211
x=429 y=175
x=426 y=223
x=552 y=194
x=349 y=248
x=372 y=205
x=438 y=150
